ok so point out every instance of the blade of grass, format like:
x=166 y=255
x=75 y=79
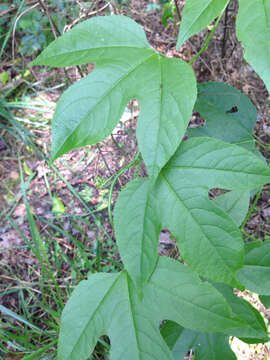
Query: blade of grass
x=17 y=317
x=40 y=251
x=40 y=351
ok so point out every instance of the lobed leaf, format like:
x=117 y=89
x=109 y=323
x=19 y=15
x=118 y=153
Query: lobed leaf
x=179 y=202
x=253 y=30
x=109 y=304
x=197 y=14
x=126 y=68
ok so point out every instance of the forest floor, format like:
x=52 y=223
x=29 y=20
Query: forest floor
x=70 y=199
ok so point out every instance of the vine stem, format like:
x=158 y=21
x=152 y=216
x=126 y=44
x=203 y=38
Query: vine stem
x=120 y=172
x=177 y=10
x=251 y=236
x=207 y=40
x=251 y=209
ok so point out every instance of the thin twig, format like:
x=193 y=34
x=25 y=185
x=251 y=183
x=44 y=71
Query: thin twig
x=116 y=178
x=177 y=10
x=54 y=27
x=57 y=33
x=207 y=40
x=225 y=33
x=104 y=160
x=15 y=25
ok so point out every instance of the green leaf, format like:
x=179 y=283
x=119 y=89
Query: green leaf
x=96 y=40
x=209 y=163
x=58 y=205
x=4 y=77
x=235 y=204
x=255 y=275
x=197 y=14
x=265 y=300
x=230 y=115
x=255 y=330
x=109 y=304
x=179 y=202
x=253 y=30
x=167 y=13
x=126 y=68
x=137 y=229
x=212 y=346
x=13 y=315
x=182 y=188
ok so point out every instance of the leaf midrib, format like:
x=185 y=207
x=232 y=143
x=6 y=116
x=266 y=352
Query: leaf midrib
x=96 y=310
x=127 y=74
x=195 y=221
x=133 y=317
x=173 y=295
x=215 y=169
x=69 y=53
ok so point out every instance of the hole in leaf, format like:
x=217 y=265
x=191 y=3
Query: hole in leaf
x=167 y=244
x=213 y=193
x=234 y=109
x=196 y=120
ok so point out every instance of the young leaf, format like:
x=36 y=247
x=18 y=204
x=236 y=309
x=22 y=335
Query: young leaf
x=230 y=115
x=235 y=204
x=207 y=346
x=197 y=14
x=137 y=229
x=255 y=275
x=109 y=304
x=126 y=68
x=253 y=30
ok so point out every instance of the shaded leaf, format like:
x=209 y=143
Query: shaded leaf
x=255 y=330
x=265 y=299
x=197 y=14
x=230 y=115
x=253 y=30
x=126 y=68
x=207 y=346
